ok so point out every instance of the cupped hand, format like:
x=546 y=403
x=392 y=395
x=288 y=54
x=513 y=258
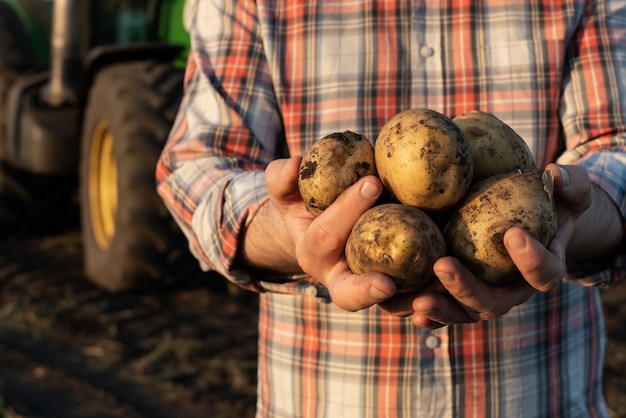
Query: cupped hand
x=319 y=242
x=467 y=298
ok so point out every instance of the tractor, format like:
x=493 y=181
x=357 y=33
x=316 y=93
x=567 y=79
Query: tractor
x=89 y=90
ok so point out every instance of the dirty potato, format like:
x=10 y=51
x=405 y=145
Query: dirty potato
x=477 y=225
x=398 y=240
x=424 y=159
x=331 y=165
x=494 y=145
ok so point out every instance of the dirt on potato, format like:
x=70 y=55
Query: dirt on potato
x=68 y=349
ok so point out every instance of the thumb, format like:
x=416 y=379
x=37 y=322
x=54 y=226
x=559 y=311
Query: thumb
x=281 y=178
x=572 y=186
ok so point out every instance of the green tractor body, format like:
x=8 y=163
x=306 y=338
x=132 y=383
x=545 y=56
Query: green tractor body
x=88 y=93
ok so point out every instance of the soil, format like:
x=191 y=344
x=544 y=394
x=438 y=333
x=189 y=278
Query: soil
x=68 y=349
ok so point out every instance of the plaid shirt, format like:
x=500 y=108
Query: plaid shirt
x=265 y=79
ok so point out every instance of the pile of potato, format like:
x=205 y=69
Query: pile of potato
x=456 y=186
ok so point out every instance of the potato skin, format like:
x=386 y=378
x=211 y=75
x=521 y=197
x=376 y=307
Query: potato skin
x=424 y=159
x=477 y=225
x=494 y=145
x=398 y=240
x=331 y=165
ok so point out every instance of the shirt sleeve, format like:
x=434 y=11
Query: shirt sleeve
x=594 y=120
x=211 y=171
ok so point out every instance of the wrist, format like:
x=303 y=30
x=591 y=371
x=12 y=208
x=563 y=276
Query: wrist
x=264 y=246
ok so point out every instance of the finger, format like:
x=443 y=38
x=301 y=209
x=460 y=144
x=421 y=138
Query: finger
x=541 y=268
x=320 y=251
x=434 y=310
x=479 y=299
x=353 y=292
x=330 y=230
x=281 y=177
x=402 y=304
x=399 y=305
x=425 y=322
x=572 y=183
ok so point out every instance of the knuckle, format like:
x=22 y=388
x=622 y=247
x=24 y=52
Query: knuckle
x=473 y=317
x=464 y=295
x=325 y=238
x=493 y=313
x=545 y=284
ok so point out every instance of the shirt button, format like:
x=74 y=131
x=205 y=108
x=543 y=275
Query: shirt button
x=311 y=291
x=426 y=51
x=431 y=342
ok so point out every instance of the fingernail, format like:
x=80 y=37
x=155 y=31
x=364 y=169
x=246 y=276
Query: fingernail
x=517 y=242
x=378 y=294
x=369 y=190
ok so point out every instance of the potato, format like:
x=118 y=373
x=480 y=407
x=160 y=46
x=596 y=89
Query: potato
x=424 y=159
x=398 y=240
x=331 y=165
x=494 y=145
x=477 y=225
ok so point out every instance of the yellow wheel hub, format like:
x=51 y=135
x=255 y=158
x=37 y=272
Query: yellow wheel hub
x=102 y=185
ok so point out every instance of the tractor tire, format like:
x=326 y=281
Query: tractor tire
x=130 y=240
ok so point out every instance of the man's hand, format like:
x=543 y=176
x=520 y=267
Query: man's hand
x=319 y=243
x=458 y=296
x=467 y=298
